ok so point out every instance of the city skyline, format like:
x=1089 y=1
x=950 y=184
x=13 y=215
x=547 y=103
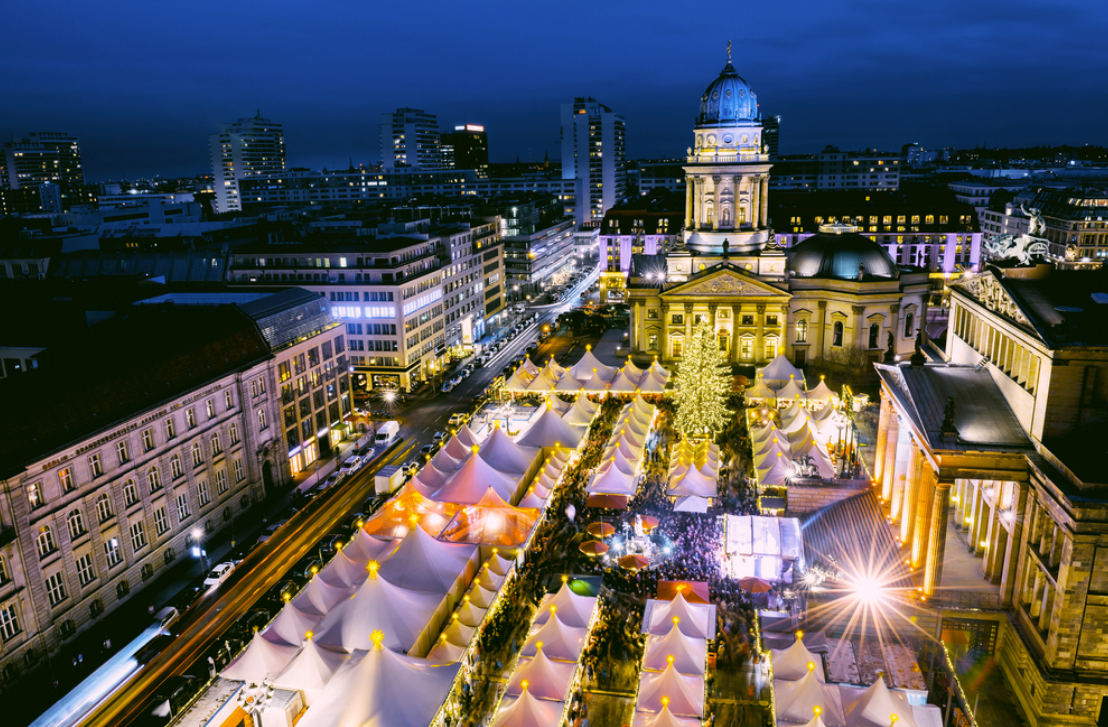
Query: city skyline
x=856 y=76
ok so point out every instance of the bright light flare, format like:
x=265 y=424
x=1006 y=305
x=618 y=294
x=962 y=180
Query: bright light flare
x=869 y=590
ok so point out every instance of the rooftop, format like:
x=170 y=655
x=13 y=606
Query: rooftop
x=1068 y=308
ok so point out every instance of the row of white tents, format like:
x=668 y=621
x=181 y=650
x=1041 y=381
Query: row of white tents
x=675 y=660
x=780 y=381
x=540 y=683
x=802 y=696
x=800 y=440
x=588 y=376
x=693 y=475
x=618 y=473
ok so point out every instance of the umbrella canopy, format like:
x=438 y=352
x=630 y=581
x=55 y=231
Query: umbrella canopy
x=649 y=522
x=634 y=562
x=600 y=530
x=593 y=547
x=692 y=591
x=607 y=502
x=754 y=585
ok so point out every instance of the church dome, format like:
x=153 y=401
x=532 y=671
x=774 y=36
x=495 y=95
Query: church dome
x=838 y=251
x=728 y=101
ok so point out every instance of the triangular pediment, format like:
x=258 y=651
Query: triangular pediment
x=726 y=280
x=988 y=290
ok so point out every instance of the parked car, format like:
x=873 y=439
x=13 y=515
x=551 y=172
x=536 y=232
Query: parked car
x=365 y=451
x=457 y=420
x=448 y=387
x=427 y=449
x=305 y=568
x=440 y=437
x=270 y=530
x=333 y=542
x=333 y=479
x=351 y=465
x=218 y=574
x=175 y=694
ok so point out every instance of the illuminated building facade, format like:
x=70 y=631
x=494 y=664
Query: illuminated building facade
x=410 y=138
x=46 y=167
x=251 y=147
x=594 y=156
x=467 y=147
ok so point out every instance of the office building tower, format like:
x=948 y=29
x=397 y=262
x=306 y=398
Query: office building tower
x=771 y=134
x=410 y=138
x=467 y=147
x=594 y=156
x=45 y=158
x=252 y=147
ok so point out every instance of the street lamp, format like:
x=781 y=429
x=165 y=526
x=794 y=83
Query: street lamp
x=198 y=550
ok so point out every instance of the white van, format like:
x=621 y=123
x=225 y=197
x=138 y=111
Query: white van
x=386 y=433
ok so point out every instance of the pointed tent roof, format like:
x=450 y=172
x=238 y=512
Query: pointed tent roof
x=491 y=521
x=620 y=461
x=343 y=572
x=779 y=369
x=626 y=382
x=685 y=693
x=393 y=521
x=795 y=700
x=694 y=483
x=531 y=367
x=665 y=718
x=501 y=452
x=560 y=405
x=759 y=391
x=656 y=368
x=595 y=382
x=761 y=434
x=792 y=411
x=630 y=367
x=612 y=482
x=771 y=447
x=481 y=596
x=400 y=613
x=260 y=659
x=499 y=565
x=289 y=626
x=546 y=678
x=690 y=503
x=559 y=641
x=689 y=654
x=519 y=380
x=470 y=614
x=778 y=470
x=791 y=664
x=371 y=690
x=310 y=670
x=653 y=382
x=795 y=424
x=872 y=706
x=468 y=485
x=583 y=369
x=533 y=500
x=527 y=710
x=569 y=383
x=791 y=391
x=364 y=547
x=693 y=617
x=447 y=651
x=422 y=563
x=641 y=407
x=571 y=609
x=468 y=437
x=625 y=445
x=823 y=412
x=319 y=597
x=549 y=429
x=425 y=481
x=451 y=456
x=489 y=579
x=821 y=392
x=543 y=383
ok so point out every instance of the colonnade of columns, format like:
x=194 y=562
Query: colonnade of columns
x=701 y=188
x=991 y=514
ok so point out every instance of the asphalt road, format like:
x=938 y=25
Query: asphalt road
x=209 y=618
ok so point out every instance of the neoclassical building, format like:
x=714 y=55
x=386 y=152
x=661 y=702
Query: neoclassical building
x=833 y=299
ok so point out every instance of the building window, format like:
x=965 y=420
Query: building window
x=34 y=495
x=652 y=314
x=837 y=334
x=254 y=388
x=234 y=433
x=771 y=321
x=111 y=552
x=183 y=510
x=228 y=400
x=95 y=608
x=147 y=440
x=190 y=419
x=724 y=341
x=221 y=481
x=45 y=541
x=197 y=455
x=103 y=508
x=678 y=346
x=202 y=493
x=746 y=348
x=4 y=577
x=130 y=493
x=9 y=623
x=874 y=332
x=175 y=468
x=771 y=347
x=65 y=478
x=170 y=429
x=652 y=342
x=909 y=325
x=94 y=467
x=678 y=319
x=240 y=472
x=121 y=451
x=161 y=521
x=76 y=524
x=55 y=589
x=209 y=406
x=217 y=448
x=802 y=331
x=263 y=422
x=138 y=536
x=122 y=589
x=86 y=574
x=153 y=479
x=748 y=320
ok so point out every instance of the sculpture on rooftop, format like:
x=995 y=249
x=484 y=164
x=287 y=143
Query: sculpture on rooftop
x=948 y=428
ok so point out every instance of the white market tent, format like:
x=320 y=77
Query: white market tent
x=560 y=405
x=796 y=699
x=693 y=483
x=569 y=383
x=319 y=597
x=582 y=412
x=759 y=391
x=652 y=384
x=791 y=391
x=528 y=710
x=452 y=454
x=685 y=694
x=422 y=563
x=502 y=453
x=468 y=485
x=364 y=547
x=779 y=371
x=546 y=678
x=666 y=718
x=687 y=654
x=383 y=689
x=290 y=626
x=260 y=659
x=571 y=608
x=343 y=571
x=694 y=619
x=583 y=369
x=612 y=482
x=626 y=382
x=549 y=429
x=519 y=380
x=452 y=643
x=690 y=503
x=559 y=641
x=468 y=437
x=310 y=670
x=871 y=706
x=822 y=392
x=791 y=664
x=595 y=383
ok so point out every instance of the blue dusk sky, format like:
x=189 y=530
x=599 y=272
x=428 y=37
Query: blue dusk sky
x=142 y=84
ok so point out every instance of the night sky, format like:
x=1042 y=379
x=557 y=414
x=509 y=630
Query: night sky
x=144 y=83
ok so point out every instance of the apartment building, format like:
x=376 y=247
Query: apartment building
x=47 y=166
x=834 y=169
x=410 y=138
x=594 y=157
x=250 y=147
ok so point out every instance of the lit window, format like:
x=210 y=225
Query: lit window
x=65 y=478
x=130 y=493
x=45 y=541
x=34 y=495
x=103 y=508
x=802 y=331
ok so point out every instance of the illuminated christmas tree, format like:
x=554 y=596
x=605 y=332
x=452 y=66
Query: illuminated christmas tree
x=703 y=386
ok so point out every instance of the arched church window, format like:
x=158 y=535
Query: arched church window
x=874 y=332
x=802 y=331
x=837 y=334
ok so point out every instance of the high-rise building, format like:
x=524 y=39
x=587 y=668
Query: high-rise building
x=410 y=138
x=45 y=158
x=771 y=135
x=467 y=147
x=594 y=154
x=251 y=147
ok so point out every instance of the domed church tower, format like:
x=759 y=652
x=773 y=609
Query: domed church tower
x=727 y=170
